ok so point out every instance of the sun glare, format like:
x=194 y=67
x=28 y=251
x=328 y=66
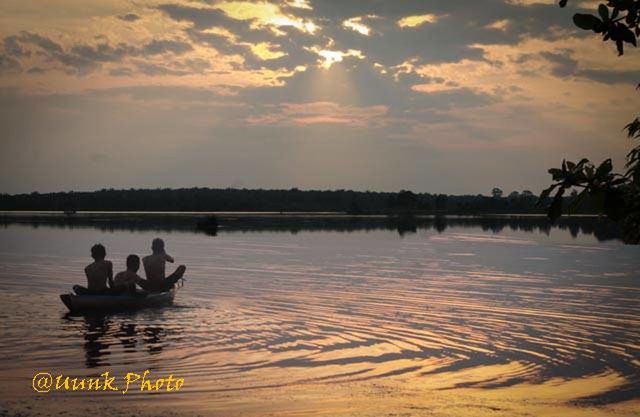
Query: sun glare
x=330 y=57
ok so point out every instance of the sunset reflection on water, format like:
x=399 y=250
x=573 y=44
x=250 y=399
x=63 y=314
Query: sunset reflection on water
x=465 y=322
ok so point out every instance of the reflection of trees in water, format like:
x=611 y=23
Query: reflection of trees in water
x=601 y=229
x=101 y=332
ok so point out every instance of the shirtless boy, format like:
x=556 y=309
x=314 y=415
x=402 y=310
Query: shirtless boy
x=154 y=268
x=126 y=281
x=98 y=273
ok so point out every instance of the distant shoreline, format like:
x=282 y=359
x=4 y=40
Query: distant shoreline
x=290 y=202
x=58 y=213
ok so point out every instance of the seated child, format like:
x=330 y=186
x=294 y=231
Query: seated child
x=125 y=281
x=154 y=268
x=98 y=273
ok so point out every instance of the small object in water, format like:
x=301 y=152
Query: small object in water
x=209 y=225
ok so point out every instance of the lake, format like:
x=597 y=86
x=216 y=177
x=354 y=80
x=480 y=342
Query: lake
x=335 y=317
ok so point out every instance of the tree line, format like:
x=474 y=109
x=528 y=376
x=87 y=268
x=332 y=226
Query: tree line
x=290 y=200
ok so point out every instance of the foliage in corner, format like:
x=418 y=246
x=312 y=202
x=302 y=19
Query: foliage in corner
x=615 y=195
x=619 y=25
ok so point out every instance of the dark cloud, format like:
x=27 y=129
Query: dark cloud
x=194 y=65
x=9 y=65
x=156 y=47
x=13 y=48
x=82 y=59
x=44 y=43
x=563 y=64
x=121 y=72
x=36 y=70
x=100 y=53
x=129 y=17
x=153 y=70
x=611 y=77
x=201 y=18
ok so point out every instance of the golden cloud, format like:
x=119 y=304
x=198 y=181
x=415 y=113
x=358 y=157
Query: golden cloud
x=329 y=57
x=417 y=20
x=355 y=24
x=265 y=15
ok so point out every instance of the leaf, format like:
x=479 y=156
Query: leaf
x=633 y=128
x=545 y=194
x=582 y=162
x=620 y=47
x=577 y=202
x=586 y=21
x=627 y=35
x=603 y=11
x=556 y=173
x=604 y=169
x=630 y=19
x=555 y=209
x=615 y=13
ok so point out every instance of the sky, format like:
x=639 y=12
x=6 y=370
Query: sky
x=434 y=96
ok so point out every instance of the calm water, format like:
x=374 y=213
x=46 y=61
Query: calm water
x=467 y=321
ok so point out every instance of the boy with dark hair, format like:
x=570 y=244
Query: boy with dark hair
x=154 y=268
x=126 y=281
x=99 y=273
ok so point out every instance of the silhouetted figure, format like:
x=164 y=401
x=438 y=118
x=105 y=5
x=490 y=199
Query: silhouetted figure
x=126 y=281
x=154 y=268
x=98 y=274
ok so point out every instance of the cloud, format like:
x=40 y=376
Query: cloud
x=83 y=59
x=305 y=114
x=13 y=47
x=356 y=24
x=417 y=20
x=42 y=42
x=611 y=76
x=129 y=17
x=563 y=65
x=265 y=15
x=329 y=57
x=162 y=46
x=502 y=25
x=266 y=50
x=9 y=65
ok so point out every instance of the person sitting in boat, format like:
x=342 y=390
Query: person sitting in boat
x=98 y=273
x=154 y=268
x=126 y=281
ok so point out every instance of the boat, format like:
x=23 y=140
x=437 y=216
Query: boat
x=81 y=303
